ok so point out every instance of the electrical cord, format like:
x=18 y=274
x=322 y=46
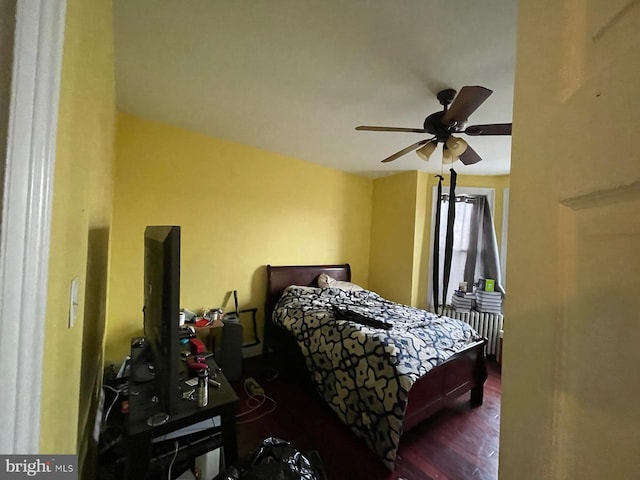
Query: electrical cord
x=117 y=392
x=255 y=400
x=110 y=436
x=175 y=454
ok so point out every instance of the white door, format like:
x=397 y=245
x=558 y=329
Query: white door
x=37 y=28
x=571 y=389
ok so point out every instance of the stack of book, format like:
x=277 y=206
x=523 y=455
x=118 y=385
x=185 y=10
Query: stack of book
x=462 y=301
x=488 y=302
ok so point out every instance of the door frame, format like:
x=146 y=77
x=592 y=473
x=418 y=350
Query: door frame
x=26 y=218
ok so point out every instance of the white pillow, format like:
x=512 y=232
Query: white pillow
x=326 y=281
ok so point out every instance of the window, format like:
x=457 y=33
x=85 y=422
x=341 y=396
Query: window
x=474 y=248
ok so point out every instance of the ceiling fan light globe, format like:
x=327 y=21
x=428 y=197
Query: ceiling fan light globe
x=457 y=146
x=447 y=156
x=425 y=151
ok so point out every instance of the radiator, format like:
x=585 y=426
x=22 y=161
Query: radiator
x=487 y=325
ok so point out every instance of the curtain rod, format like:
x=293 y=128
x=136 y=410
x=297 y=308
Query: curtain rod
x=459 y=198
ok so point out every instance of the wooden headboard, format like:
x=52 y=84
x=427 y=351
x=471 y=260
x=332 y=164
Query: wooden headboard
x=280 y=277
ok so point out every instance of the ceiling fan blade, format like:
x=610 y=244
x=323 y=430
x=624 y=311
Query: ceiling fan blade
x=489 y=129
x=406 y=150
x=391 y=129
x=470 y=156
x=465 y=103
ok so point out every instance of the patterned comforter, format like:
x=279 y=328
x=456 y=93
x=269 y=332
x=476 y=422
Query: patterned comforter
x=364 y=373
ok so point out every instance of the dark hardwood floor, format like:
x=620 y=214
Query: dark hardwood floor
x=457 y=443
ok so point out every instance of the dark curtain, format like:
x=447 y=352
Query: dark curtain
x=482 y=258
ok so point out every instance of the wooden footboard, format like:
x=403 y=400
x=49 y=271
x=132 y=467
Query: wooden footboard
x=466 y=371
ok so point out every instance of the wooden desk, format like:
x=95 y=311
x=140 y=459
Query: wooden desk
x=145 y=455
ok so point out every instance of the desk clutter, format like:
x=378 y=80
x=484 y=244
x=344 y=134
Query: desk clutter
x=232 y=331
x=170 y=407
x=140 y=438
x=216 y=317
x=208 y=317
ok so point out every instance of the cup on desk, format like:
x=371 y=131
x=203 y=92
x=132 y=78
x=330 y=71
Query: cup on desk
x=182 y=319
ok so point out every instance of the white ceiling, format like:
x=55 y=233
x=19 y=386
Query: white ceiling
x=297 y=76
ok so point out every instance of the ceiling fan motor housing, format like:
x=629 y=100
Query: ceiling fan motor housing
x=433 y=125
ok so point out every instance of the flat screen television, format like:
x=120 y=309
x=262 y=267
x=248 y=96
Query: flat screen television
x=162 y=311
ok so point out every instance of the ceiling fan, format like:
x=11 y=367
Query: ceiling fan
x=442 y=125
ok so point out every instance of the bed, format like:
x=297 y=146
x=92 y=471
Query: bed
x=372 y=375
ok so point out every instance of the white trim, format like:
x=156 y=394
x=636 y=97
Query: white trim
x=490 y=193
x=26 y=218
x=503 y=239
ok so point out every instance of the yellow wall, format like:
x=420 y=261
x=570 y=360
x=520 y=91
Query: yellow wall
x=401 y=231
x=7 y=26
x=81 y=216
x=392 y=236
x=240 y=208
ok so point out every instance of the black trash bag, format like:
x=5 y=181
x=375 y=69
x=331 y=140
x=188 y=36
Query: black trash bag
x=276 y=459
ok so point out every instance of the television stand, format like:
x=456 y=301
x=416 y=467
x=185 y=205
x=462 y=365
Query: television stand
x=188 y=432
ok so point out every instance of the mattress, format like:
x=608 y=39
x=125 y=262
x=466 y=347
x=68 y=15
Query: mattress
x=364 y=353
